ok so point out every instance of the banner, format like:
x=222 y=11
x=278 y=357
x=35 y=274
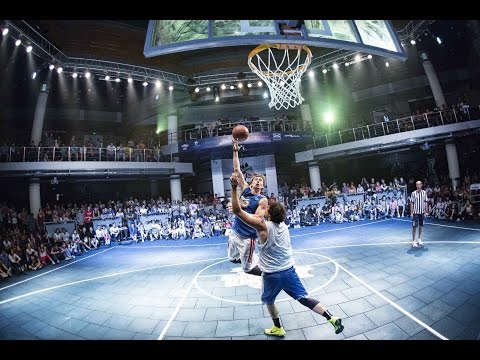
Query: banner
x=254 y=138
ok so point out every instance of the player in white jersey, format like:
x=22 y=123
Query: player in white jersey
x=276 y=262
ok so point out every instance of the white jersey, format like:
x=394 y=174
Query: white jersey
x=276 y=254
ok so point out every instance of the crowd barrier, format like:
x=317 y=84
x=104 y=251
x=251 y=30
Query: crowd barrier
x=51 y=227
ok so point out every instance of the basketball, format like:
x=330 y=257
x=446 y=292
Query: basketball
x=240 y=133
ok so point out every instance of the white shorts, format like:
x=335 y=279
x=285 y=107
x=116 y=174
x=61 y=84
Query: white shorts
x=243 y=249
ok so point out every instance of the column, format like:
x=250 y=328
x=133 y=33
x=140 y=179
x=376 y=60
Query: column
x=271 y=176
x=306 y=114
x=172 y=128
x=34 y=190
x=217 y=178
x=39 y=114
x=452 y=160
x=314 y=170
x=153 y=187
x=433 y=80
x=175 y=188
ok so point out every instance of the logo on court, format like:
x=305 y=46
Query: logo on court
x=277 y=136
x=240 y=278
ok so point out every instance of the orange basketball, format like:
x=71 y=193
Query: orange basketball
x=240 y=133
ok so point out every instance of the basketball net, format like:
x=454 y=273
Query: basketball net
x=281 y=67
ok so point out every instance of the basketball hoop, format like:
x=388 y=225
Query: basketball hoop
x=281 y=67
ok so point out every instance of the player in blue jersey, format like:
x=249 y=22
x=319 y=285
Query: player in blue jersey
x=241 y=241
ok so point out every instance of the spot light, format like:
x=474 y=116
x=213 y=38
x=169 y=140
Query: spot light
x=335 y=66
x=74 y=75
x=249 y=85
x=170 y=87
x=208 y=89
x=29 y=48
x=358 y=58
x=197 y=90
x=87 y=74
x=129 y=80
x=117 y=80
x=223 y=86
x=413 y=42
x=51 y=67
x=18 y=42
x=59 y=69
x=439 y=41
x=324 y=71
x=107 y=77
x=369 y=56
x=145 y=83
x=158 y=83
x=34 y=75
x=5 y=31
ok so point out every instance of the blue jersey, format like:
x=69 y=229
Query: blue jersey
x=239 y=226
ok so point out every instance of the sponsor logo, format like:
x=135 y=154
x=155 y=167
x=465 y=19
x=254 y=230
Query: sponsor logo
x=291 y=136
x=184 y=147
x=239 y=278
x=277 y=136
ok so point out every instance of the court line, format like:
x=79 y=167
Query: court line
x=229 y=274
x=392 y=243
x=449 y=226
x=197 y=275
x=224 y=243
x=175 y=246
x=259 y=302
x=343 y=228
x=100 y=277
x=177 y=309
x=57 y=268
x=395 y=305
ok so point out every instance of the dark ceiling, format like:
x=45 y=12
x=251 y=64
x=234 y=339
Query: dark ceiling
x=123 y=41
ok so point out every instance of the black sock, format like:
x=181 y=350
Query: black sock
x=326 y=314
x=255 y=271
x=276 y=322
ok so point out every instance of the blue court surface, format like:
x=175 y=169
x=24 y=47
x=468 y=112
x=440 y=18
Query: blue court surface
x=364 y=272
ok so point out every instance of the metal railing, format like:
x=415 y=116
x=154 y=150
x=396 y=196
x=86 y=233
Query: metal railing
x=414 y=122
x=81 y=153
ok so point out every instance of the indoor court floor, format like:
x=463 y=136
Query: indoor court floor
x=365 y=272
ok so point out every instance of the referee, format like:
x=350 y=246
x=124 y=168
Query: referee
x=418 y=209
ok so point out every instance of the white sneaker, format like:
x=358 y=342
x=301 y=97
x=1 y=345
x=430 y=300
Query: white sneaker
x=420 y=243
x=414 y=244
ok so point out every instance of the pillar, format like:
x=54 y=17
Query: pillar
x=271 y=176
x=175 y=188
x=153 y=187
x=217 y=178
x=433 y=80
x=314 y=170
x=39 y=115
x=306 y=114
x=34 y=190
x=452 y=160
x=172 y=128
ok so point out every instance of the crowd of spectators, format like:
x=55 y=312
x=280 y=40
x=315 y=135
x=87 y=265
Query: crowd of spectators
x=25 y=244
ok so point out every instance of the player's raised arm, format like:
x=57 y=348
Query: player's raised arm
x=236 y=166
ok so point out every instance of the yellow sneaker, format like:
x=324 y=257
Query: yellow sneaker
x=337 y=324
x=275 y=331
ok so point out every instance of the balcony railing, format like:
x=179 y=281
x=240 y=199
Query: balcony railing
x=81 y=153
x=409 y=123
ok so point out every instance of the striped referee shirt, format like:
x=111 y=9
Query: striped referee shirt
x=419 y=201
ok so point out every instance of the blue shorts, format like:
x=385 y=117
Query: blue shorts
x=286 y=280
